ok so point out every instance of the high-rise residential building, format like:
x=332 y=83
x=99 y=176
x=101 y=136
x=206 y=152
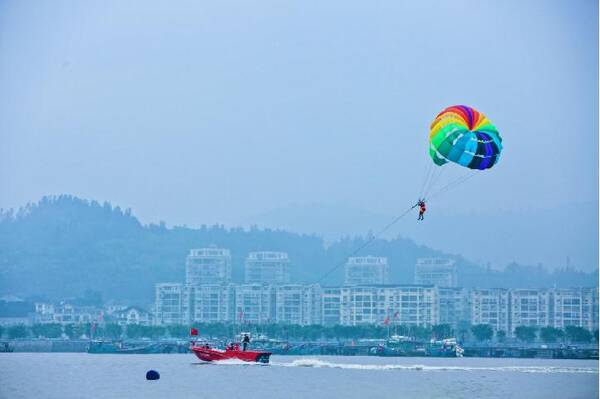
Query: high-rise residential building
x=267 y=268
x=366 y=270
x=298 y=304
x=255 y=303
x=529 y=307
x=412 y=305
x=575 y=307
x=172 y=304
x=213 y=303
x=454 y=306
x=436 y=271
x=208 y=266
x=491 y=306
x=359 y=306
x=331 y=306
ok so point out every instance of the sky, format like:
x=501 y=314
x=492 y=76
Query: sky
x=220 y=112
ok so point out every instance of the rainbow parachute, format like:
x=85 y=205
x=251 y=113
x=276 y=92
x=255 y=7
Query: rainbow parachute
x=465 y=136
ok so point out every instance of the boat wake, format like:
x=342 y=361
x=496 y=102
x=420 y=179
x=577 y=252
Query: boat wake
x=317 y=363
x=231 y=362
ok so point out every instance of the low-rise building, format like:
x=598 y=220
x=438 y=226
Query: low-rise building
x=132 y=315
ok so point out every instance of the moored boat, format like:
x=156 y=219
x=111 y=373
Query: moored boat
x=445 y=348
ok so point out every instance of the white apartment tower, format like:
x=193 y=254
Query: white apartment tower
x=208 y=266
x=491 y=306
x=298 y=304
x=267 y=268
x=172 y=304
x=436 y=271
x=453 y=306
x=529 y=307
x=214 y=303
x=331 y=300
x=575 y=307
x=402 y=304
x=366 y=270
x=255 y=303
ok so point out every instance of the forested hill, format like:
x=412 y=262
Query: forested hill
x=63 y=246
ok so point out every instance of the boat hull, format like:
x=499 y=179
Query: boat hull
x=212 y=355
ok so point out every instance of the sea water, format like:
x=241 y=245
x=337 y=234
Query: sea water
x=82 y=375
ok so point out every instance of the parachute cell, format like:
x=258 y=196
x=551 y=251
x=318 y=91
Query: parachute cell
x=462 y=135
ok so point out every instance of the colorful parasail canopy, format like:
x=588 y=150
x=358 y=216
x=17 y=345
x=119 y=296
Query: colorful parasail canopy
x=465 y=136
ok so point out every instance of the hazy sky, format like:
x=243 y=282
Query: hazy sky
x=202 y=112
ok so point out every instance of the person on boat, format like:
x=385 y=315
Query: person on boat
x=231 y=346
x=236 y=347
x=422 y=209
x=245 y=341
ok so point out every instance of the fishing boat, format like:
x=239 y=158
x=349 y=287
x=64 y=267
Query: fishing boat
x=135 y=348
x=445 y=348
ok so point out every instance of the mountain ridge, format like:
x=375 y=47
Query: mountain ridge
x=63 y=245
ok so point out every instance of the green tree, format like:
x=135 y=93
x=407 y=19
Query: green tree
x=577 y=334
x=112 y=331
x=50 y=330
x=463 y=329
x=482 y=332
x=157 y=332
x=18 y=331
x=136 y=331
x=441 y=331
x=178 y=331
x=75 y=331
x=71 y=330
x=37 y=330
x=501 y=335
x=526 y=333
x=550 y=334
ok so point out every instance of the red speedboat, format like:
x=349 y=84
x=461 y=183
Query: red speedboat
x=208 y=354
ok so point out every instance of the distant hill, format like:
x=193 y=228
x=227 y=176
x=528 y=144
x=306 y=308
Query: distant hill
x=531 y=236
x=62 y=246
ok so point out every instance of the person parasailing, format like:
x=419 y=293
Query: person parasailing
x=422 y=208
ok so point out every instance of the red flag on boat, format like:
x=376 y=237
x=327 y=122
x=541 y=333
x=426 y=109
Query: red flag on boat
x=386 y=321
x=193 y=331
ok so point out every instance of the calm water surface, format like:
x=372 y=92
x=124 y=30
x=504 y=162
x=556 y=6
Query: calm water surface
x=80 y=375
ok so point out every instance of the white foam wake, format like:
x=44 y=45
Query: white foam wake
x=317 y=363
x=231 y=362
